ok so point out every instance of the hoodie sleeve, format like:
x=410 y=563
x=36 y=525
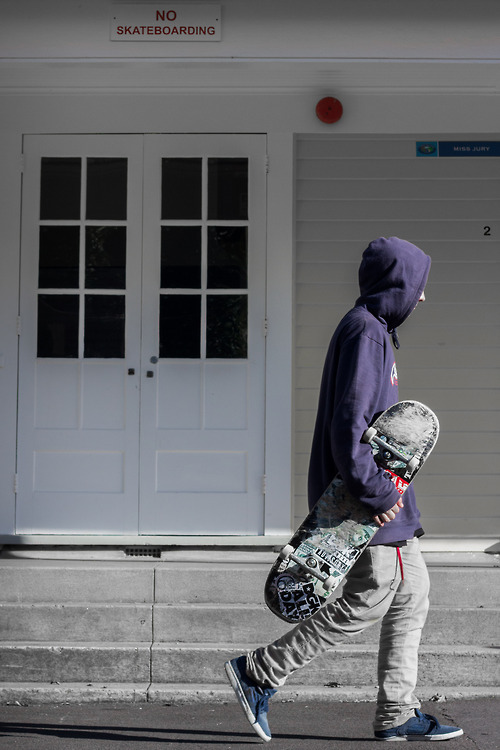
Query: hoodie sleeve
x=362 y=391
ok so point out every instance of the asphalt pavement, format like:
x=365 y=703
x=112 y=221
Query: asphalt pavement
x=147 y=726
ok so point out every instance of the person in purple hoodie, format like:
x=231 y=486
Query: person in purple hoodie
x=389 y=583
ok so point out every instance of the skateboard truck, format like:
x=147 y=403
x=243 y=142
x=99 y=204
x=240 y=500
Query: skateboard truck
x=389 y=451
x=309 y=564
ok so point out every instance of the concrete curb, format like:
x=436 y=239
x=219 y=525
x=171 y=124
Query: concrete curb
x=27 y=694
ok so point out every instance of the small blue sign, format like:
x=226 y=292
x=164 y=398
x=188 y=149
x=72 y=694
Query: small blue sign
x=469 y=148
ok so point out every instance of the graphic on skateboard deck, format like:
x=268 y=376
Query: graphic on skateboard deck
x=339 y=527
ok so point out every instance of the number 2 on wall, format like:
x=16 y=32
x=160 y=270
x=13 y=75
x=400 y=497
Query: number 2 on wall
x=486 y=231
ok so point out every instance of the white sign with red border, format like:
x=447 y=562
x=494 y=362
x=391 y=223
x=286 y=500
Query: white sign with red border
x=164 y=22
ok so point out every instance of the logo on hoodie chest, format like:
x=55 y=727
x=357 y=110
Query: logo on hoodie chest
x=394 y=375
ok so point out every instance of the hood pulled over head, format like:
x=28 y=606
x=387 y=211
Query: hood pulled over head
x=392 y=276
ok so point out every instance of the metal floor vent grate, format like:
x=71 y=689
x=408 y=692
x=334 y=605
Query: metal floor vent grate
x=143 y=552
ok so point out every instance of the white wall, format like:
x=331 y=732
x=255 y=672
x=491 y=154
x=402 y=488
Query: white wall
x=352 y=190
x=426 y=68
x=360 y=29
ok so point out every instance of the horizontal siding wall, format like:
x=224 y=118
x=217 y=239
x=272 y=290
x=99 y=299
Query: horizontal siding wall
x=350 y=191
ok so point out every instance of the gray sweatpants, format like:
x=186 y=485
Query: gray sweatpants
x=373 y=591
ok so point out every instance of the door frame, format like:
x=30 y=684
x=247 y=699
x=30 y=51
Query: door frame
x=278 y=425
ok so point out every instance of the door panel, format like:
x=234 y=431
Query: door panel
x=80 y=336
x=202 y=416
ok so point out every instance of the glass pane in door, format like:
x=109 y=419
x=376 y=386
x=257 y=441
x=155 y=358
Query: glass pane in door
x=59 y=260
x=227 y=258
x=227 y=323
x=181 y=188
x=180 y=325
x=228 y=188
x=105 y=257
x=60 y=187
x=106 y=188
x=180 y=257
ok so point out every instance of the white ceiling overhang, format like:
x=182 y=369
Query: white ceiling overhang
x=247 y=75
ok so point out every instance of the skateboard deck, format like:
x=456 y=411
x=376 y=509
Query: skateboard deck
x=337 y=530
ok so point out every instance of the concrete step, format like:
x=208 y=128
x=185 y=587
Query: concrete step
x=208 y=623
x=60 y=581
x=472 y=583
x=345 y=665
x=202 y=663
x=465 y=586
x=60 y=661
x=76 y=622
x=243 y=623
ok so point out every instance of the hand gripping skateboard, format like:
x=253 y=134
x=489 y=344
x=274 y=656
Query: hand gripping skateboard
x=337 y=530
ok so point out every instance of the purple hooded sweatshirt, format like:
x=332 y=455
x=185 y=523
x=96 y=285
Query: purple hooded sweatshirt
x=360 y=381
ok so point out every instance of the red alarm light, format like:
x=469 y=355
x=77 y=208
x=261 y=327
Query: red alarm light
x=329 y=109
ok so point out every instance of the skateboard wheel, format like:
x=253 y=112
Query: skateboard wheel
x=329 y=583
x=369 y=434
x=286 y=551
x=413 y=464
x=285 y=583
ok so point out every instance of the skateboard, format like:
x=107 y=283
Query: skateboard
x=337 y=530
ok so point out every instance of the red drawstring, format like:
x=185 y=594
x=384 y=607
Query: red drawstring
x=400 y=563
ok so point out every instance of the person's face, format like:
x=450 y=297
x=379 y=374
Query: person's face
x=421 y=299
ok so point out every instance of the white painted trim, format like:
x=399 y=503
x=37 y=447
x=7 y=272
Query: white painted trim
x=286 y=113
x=106 y=540
x=279 y=352
x=429 y=544
x=457 y=544
x=201 y=77
x=10 y=218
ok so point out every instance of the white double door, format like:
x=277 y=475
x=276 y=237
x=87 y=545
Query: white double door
x=142 y=345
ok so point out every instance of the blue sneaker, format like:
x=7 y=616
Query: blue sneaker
x=421 y=727
x=253 y=699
